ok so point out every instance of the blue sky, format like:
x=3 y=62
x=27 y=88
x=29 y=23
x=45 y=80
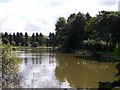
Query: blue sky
x=41 y=15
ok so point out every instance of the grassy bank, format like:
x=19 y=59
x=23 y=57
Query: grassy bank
x=39 y=47
x=99 y=56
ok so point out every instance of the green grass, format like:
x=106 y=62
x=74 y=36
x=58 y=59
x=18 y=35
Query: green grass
x=39 y=47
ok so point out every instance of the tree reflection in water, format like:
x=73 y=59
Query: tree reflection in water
x=83 y=73
x=38 y=70
x=44 y=69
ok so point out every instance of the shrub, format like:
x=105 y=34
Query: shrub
x=27 y=43
x=5 y=41
x=9 y=67
x=13 y=43
x=35 y=44
x=117 y=51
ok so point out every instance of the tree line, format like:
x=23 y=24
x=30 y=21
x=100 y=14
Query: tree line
x=78 y=31
x=20 y=39
x=95 y=34
x=82 y=31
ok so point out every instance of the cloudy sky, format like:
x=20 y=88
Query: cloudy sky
x=41 y=15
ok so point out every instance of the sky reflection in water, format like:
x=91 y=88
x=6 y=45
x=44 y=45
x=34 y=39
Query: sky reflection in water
x=44 y=69
x=38 y=71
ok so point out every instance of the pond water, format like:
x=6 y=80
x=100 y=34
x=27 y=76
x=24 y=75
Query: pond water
x=41 y=68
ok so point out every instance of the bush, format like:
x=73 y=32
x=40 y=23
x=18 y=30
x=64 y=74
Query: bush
x=19 y=44
x=13 y=43
x=9 y=67
x=117 y=51
x=35 y=44
x=5 y=41
x=27 y=43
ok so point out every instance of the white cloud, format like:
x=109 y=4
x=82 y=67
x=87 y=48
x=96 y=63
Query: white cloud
x=20 y=15
x=119 y=6
x=109 y=2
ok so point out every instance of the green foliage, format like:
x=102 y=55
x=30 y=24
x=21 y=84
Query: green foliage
x=60 y=29
x=88 y=17
x=35 y=44
x=52 y=39
x=26 y=37
x=18 y=39
x=13 y=43
x=27 y=43
x=70 y=34
x=117 y=50
x=41 y=39
x=5 y=41
x=9 y=67
x=90 y=28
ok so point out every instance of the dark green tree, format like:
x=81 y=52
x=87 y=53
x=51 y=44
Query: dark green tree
x=60 y=29
x=21 y=39
x=10 y=38
x=73 y=40
x=14 y=37
x=88 y=17
x=6 y=35
x=26 y=37
x=5 y=41
x=32 y=38
x=17 y=39
x=52 y=39
x=37 y=37
x=40 y=39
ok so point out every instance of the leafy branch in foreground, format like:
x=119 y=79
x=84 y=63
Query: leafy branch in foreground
x=10 y=62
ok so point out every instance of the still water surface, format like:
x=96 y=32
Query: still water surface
x=42 y=68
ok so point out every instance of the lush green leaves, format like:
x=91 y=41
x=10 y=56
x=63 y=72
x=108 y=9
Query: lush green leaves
x=9 y=67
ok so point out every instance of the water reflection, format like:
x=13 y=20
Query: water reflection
x=43 y=69
x=83 y=73
x=38 y=70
